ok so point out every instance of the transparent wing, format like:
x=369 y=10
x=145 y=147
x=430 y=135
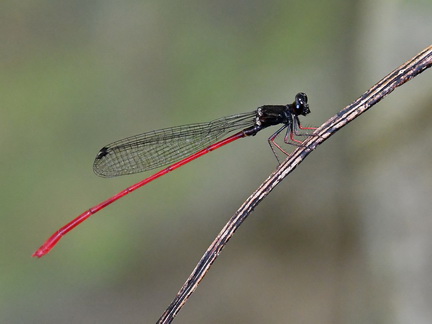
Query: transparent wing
x=157 y=148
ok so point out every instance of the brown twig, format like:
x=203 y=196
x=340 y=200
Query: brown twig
x=404 y=73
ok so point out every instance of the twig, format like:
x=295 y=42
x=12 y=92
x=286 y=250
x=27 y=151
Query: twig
x=404 y=73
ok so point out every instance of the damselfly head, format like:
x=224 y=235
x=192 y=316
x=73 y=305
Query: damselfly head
x=301 y=106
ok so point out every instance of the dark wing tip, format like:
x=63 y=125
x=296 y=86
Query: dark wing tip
x=98 y=168
x=103 y=152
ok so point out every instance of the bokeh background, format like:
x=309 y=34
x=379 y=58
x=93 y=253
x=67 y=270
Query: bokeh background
x=347 y=238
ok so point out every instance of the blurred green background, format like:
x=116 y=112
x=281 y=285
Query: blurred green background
x=347 y=238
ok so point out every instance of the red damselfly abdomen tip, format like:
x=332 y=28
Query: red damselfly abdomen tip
x=48 y=245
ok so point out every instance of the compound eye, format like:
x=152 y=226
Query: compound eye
x=301 y=104
x=301 y=100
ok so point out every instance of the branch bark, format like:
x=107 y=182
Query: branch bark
x=398 y=77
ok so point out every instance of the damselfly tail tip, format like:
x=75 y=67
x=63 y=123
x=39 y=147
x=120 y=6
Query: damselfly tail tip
x=38 y=254
x=44 y=249
x=48 y=245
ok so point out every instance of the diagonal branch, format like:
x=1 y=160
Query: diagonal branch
x=398 y=77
